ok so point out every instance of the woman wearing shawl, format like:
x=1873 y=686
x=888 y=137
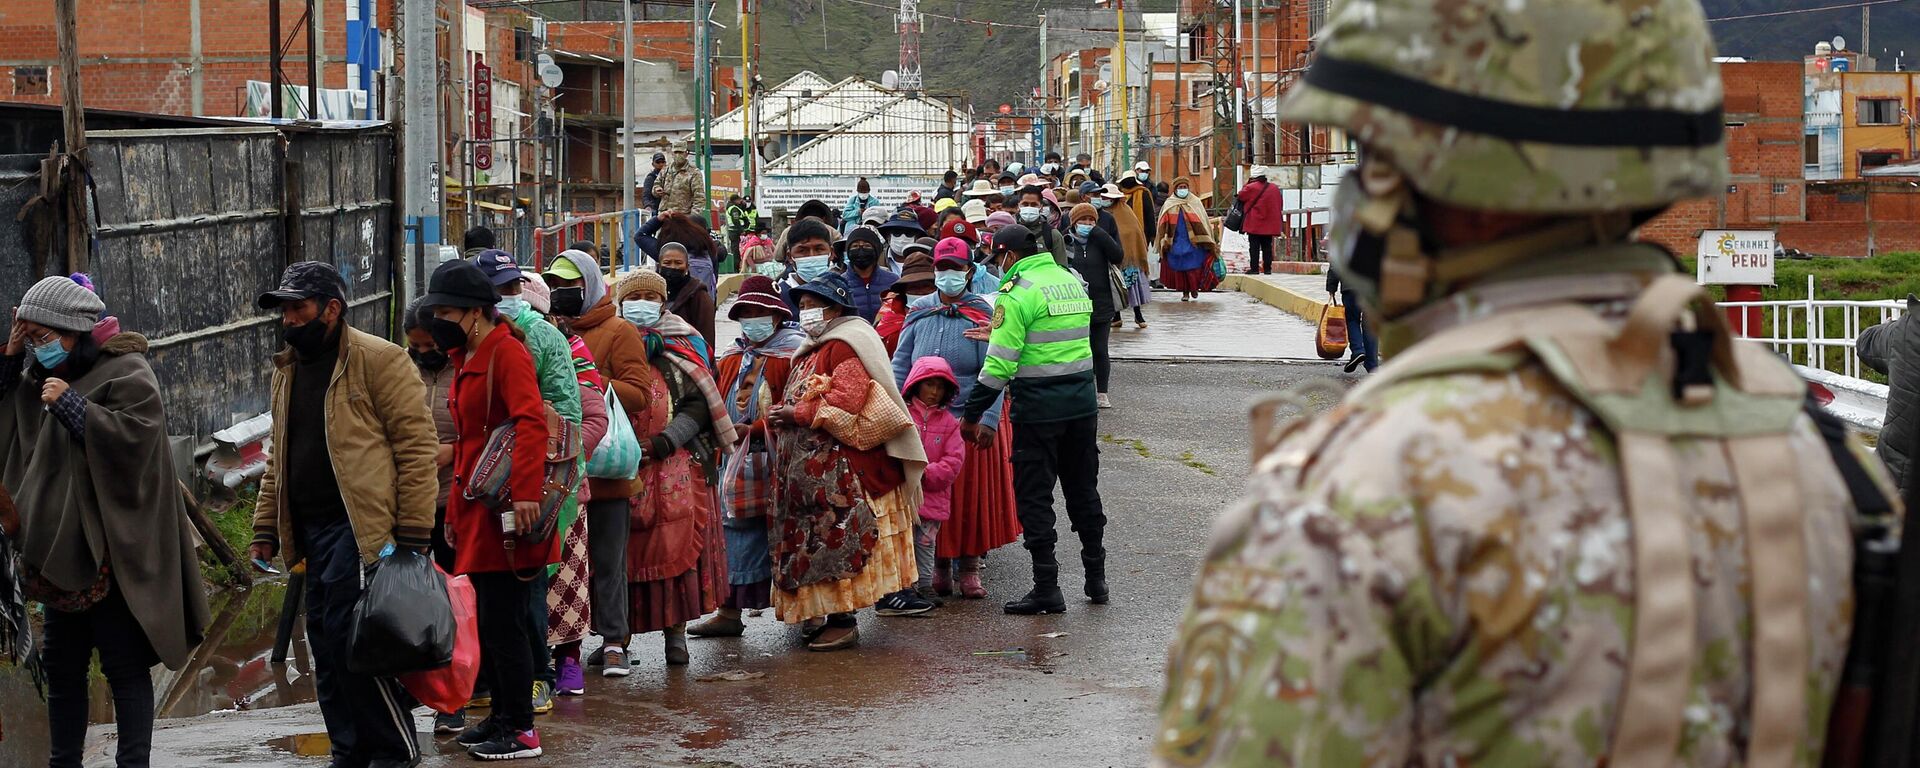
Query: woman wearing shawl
x=581 y=301
x=104 y=541
x=842 y=526
x=676 y=556
x=1186 y=244
x=983 y=516
x=691 y=233
x=753 y=380
x=1133 y=243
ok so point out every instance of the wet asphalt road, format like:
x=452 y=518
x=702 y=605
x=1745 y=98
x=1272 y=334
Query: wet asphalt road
x=963 y=686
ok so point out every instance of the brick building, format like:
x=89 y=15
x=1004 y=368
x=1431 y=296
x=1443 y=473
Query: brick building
x=1765 y=139
x=184 y=57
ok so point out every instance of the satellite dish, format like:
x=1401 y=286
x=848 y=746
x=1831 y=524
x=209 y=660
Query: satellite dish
x=542 y=60
x=550 y=74
x=1839 y=43
x=890 y=79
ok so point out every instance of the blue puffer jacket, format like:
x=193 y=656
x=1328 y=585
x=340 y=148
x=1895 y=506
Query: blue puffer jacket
x=868 y=294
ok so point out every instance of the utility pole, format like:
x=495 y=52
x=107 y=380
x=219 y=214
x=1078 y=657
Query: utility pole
x=1120 y=75
x=313 y=67
x=273 y=58
x=1239 y=100
x=1258 y=87
x=420 y=138
x=703 y=100
x=73 y=121
x=747 y=140
x=1046 y=85
x=626 y=104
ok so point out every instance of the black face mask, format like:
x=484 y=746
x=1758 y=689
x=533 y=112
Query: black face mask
x=569 y=302
x=446 y=334
x=676 y=279
x=863 y=258
x=308 y=339
x=430 y=361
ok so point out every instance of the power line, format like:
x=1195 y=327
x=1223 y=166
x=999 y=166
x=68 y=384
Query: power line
x=1794 y=11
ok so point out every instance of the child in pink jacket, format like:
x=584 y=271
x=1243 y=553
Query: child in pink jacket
x=930 y=390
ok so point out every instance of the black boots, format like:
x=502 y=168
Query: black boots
x=1040 y=600
x=1096 y=579
x=1045 y=596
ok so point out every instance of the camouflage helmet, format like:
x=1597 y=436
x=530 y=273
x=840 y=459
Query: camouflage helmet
x=1527 y=106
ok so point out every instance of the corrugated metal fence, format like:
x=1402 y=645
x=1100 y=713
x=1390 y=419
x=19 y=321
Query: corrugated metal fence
x=193 y=223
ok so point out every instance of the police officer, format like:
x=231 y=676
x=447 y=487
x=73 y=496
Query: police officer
x=1040 y=346
x=1573 y=521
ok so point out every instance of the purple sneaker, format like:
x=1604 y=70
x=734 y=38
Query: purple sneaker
x=571 y=680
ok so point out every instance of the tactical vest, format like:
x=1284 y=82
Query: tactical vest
x=1647 y=394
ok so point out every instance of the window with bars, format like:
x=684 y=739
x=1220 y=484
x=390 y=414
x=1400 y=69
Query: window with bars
x=1316 y=16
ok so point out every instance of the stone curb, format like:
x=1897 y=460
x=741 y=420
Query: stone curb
x=1305 y=307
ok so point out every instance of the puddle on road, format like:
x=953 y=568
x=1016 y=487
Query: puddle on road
x=229 y=671
x=304 y=744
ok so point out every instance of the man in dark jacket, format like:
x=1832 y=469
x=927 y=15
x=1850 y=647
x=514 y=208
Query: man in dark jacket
x=647 y=199
x=865 y=277
x=1893 y=349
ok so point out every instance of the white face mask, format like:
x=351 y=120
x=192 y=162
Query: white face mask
x=813 y=319
x=897 y=244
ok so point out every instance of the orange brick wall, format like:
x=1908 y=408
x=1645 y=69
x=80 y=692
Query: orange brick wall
x=137 y=55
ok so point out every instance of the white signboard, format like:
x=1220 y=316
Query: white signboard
x=788 y=192
x=1736 y=257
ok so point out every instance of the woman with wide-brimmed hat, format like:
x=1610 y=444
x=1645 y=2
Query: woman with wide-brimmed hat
x=752 y=376
x=845 y=495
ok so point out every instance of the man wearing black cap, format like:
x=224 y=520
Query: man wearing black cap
x=866 y=279
x=352 y=477
x=1041 y=349
x=647 y=198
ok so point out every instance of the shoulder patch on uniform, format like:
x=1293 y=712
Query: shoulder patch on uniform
x=999 y=315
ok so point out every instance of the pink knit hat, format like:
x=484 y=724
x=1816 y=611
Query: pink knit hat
x=954 y=250
x=537 y=295
x=999 y=219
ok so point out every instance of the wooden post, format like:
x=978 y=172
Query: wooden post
x=313 y=65
x=237 y=566
x=273 y=58
x=74 y=123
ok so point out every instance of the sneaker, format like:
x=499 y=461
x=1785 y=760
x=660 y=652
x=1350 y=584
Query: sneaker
x=1354 y=363
x=509 y=746
x=906 y=602
x=481 y=733
x=931 y=595
x=542 y=697
x=614 y=663
x=1103 y=400
x=571 y=680
x=454 y=722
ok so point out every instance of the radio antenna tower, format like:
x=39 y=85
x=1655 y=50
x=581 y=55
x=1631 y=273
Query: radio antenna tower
x=908 y=23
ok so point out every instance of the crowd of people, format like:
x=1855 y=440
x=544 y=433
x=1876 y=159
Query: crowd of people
x=909 y=383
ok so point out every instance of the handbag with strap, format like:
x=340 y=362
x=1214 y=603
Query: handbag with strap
x=1331 y=338
x=877 y=422
x=617 y=457
x=487 y=483
x=1237 y=215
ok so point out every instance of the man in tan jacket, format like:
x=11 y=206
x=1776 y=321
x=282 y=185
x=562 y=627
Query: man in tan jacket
x=352 y=477
x=679 y=187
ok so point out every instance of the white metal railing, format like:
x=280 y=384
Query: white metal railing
x=1800 y=329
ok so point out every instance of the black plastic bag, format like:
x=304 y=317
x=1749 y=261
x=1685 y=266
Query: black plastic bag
x=404 y=620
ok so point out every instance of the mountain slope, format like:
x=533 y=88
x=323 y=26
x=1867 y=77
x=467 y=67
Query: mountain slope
x=1895 y=28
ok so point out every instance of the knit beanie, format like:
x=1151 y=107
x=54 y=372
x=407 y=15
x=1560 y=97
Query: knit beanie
x=61 y=304
x=1085 y=210
x=537 y=295
x=640 y=280
x=864 y=234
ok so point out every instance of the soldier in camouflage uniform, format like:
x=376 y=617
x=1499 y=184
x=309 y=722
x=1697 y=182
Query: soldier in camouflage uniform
x=679 y=186
x=1534 y=537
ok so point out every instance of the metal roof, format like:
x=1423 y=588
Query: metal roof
x=730 y=126
x=905 y=136
x=1902 y=169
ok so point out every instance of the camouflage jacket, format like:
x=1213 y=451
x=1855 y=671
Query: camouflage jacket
x=679 y=189
x=1441 y=575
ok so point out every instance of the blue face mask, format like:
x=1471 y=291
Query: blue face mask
x=812 y=267
x=511 y=306
x=757 y=329
x=1006 y=191
x=772 y=270
x=950 y=282
x=1101 y=202
x=642 y=313
x=1083 y=230
x=50 y=354
x=1182 y=193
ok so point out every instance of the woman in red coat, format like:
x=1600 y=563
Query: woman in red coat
x=494 y=383
x=1263 y=219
